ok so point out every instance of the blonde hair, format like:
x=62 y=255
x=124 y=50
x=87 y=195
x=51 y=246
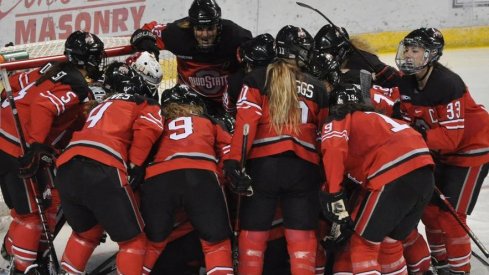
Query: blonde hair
x=362 y=44
x=174 y=110
x=281 y=87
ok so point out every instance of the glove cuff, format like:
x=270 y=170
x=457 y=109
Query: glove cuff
x=141 y=34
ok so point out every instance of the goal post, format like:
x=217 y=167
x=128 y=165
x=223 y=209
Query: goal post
x=116 y=48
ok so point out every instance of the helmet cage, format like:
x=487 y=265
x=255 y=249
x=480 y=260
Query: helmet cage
x=146 y=65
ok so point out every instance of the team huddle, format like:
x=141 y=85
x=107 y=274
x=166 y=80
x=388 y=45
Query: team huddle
x=290 y=154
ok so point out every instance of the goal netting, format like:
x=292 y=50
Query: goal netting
x=117 y=48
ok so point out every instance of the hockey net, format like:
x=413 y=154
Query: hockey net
x=117 y=48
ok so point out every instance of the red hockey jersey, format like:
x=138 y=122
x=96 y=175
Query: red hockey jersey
x=119 y=131
x=206 y=73
x=191 y=142
x=371 y=149
x=253 y=109
x=45 y=110
x=459 y=128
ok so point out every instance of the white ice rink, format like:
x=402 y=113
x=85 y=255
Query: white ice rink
x=473 y=66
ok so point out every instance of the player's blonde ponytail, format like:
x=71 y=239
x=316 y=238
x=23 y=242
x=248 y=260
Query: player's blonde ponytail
x=282 y=93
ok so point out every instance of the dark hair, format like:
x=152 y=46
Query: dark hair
x=339 y=111
x=53 y=70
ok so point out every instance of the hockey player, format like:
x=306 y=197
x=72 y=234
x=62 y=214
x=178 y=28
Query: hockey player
x=102 y=155
x=48 y=100
x=284 y=109
x=205 y=47
x=149 y=68
x=390 y=161
x=254 y=53
x=337 y=42
x=437 y=103
x=184 y=174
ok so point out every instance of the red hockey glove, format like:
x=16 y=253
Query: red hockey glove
x=37 y=156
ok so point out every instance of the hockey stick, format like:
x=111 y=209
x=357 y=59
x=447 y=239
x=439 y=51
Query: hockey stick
x=32 y=181
x=246 y=130
x=341 y=33
x=365 y=83
x=480 y=258
x=463 y=224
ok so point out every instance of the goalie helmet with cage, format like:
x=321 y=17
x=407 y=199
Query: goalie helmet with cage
x=430 y=40
x=205 y=14
x=294 y=43
x=180 y=94
x=86 y=51
x=149 y=68
x=333 y=40
x=259 y=51
x=120 y=78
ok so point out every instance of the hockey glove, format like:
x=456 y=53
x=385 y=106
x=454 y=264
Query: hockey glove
x=333 y=207
x=37 y=156
x=136 y=176
x=421 y=126
x=226 y=121
x=144 y=40
x=239 y=182
x=338 y=235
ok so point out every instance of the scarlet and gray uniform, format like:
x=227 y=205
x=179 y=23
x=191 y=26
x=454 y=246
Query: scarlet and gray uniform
x=119 y=131
x=296 y=154
x=458 y=130
x=46 y=111
x=207 y=73
x=184 y=174
x=379 y=153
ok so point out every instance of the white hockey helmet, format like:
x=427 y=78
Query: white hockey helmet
x=148 y=67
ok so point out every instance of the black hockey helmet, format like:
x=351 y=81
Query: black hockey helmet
x=86 y=50
x=345 y=93
x=259 y=51
x=293 y=43
x=430 y=39
x=334 y=41
x=181 y=94
x=324 y=66
x=204 y=13
x=121 y=78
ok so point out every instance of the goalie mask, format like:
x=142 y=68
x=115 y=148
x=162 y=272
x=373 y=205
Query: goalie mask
x=259 y=51
x=419 y=49
x=293 y=43
x=149 y=68
x=120 y=78
x=333 y=40
x=180 y=94
x=205 y=18
x=324 y=66
x=86 y=51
